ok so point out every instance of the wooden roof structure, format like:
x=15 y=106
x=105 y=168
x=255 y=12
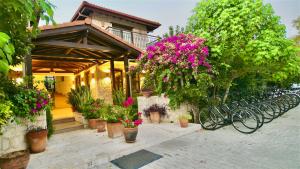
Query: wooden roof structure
x=75 y=46
x=85 y=9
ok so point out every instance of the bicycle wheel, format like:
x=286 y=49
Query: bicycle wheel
x=245 y=121
x=258 y=113
x=267 y=110
x=207 y=119
x=276 y=108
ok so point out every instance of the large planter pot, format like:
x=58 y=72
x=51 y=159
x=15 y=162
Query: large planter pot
x=155 y=117
x=147 y=93
x=130 y=134
x=101 y=125
x=93 y=123
x=37 y=140
x=114 y=130
x=184 y=123
x=15 y=160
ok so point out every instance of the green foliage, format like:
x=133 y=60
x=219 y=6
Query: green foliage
x=244 y=37
x=6 y=52
x=118 y=97
x=49 y=121
x=28 y=103
x=174 y=31
x=115 y=113
x=16 y=15
x=184 y=117
x=148 y=83
x=92 y=109
x=5 y=113
x=79 y=97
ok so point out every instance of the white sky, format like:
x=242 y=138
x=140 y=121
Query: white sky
x=169 y=12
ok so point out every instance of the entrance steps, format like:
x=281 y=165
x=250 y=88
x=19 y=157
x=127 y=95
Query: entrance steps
x=66 y=125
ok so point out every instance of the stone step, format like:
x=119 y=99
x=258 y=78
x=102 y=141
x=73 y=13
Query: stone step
x=63 y=120
x=67 y=127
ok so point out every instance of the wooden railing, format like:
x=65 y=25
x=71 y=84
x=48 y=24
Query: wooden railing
x=137 y=39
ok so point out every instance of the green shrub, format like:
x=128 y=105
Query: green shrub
x=79 y=97
x=118 y=97
x=49 y=121
x=91 y=109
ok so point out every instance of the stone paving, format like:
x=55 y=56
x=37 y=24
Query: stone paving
x=275 y=146
x=86 y=148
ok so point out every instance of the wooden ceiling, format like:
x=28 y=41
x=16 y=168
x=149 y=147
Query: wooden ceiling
x=74 y=49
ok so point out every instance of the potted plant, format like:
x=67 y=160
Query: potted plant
x=31 y=105
x=155 y=113
x=147 y=87
x=91 y=112
x=17 y=159
x=79 y=97
x=37 y=139
x=114 y=115
x=131 y=121
x=184 y=120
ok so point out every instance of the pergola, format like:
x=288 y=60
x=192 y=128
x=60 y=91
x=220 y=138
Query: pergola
x=76 y=46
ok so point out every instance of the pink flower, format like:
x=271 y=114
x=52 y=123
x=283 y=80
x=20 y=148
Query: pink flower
x=165 y=79
x=128 y=102
x=138 y=122
x=205 y=50
x=139 y=113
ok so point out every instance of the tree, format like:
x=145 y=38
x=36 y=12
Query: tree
x=244 y=37
x=178 y=30
x=19 y=15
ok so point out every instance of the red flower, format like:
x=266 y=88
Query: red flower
x=139 y=113
x=128 y=102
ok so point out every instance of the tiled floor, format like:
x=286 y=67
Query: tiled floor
x=62 y=108
x=86 y=148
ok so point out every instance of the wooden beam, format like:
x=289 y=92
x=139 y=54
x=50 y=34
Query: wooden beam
x=126 y=68
x=68 y=51
x=62 y=31
x=65 y=44
x=64 y=56
x=98 y=56
x=65 y=60
x=112 y=74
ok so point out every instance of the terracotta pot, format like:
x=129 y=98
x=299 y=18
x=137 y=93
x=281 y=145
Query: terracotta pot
x=15 y=160
x=37 y=140
x=101 y=125
x=184 y=123
x=147 y=93
x=114 y=130
x=93 y=123
x=130 y=134
x=155 y=117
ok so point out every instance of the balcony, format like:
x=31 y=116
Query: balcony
x=137 y=39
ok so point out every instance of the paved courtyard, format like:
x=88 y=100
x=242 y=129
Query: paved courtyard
x=275 y=146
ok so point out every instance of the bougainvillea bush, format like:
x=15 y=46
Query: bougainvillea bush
x=179 y=66
x=29 y=103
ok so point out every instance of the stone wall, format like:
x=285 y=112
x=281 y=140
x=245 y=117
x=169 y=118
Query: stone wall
x=144 y=102
x=14 y=135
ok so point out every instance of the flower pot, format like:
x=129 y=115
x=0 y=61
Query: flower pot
x=155 y=117
x=37 y=140
x=184 y=123
x=130 y=134
x=114 y=130
x=93 y=123
x=147 y=93
x=101 y=125
x=15 y=160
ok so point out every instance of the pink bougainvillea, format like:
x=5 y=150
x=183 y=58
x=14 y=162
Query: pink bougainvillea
x=182 y=51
